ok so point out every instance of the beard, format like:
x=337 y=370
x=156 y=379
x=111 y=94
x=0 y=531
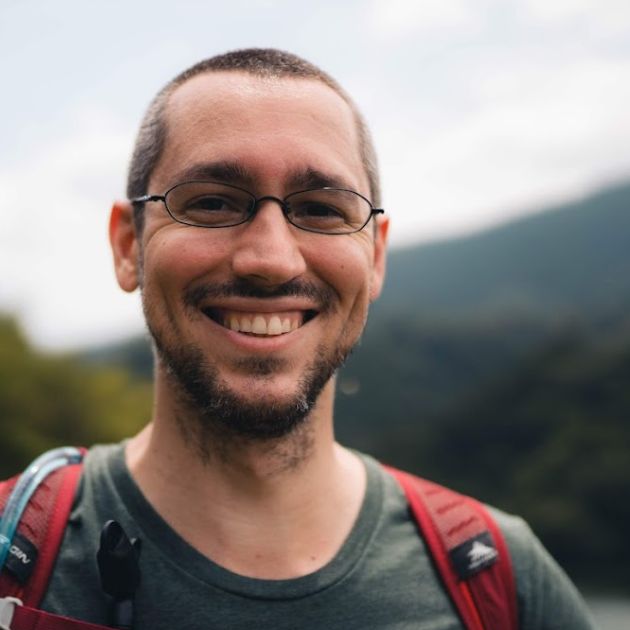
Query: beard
x=221 y=414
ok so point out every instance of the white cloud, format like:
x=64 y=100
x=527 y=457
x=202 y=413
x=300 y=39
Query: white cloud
x=546 y=133
x=606 y=16
x=393 y=19
x=53 y=245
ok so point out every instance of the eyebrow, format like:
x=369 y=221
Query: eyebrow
x=227 y=172
x=312 y=178
x=230 y=172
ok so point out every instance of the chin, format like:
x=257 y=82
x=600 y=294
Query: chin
x=217 y=409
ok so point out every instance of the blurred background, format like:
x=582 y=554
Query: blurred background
x=497 y=360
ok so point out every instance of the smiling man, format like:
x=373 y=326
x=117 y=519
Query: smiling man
x=254 y=233
x=251 y=316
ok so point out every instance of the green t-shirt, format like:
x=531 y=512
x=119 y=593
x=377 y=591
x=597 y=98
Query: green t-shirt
x=381 y=577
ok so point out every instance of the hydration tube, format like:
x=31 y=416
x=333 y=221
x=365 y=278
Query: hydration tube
x=25 y=487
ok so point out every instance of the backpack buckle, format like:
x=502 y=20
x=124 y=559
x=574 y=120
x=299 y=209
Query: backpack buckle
x=7 y=608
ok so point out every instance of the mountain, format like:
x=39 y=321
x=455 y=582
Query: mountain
x=455 y=316
x=570 y=259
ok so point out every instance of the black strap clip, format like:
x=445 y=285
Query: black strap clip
x=118 y=564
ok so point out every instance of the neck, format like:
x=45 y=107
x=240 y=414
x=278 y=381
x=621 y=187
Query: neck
x=275 y=508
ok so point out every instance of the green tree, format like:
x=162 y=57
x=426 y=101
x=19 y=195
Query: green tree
x=49 y=400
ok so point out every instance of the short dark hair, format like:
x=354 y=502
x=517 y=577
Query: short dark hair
x=261 y=62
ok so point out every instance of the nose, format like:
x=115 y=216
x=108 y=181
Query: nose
x=267 y=250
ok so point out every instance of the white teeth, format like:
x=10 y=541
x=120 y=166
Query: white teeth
x=274 y=327
x=259 y=326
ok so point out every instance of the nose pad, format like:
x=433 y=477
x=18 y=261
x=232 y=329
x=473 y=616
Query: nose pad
x=279 y=201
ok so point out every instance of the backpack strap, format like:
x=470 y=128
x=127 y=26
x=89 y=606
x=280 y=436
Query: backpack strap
x=468 y=550
x=39 y=533
x=35 y=546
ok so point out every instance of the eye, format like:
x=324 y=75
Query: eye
x=320 y=211
x=208 y=203
x=210 y=210
x=315 y=209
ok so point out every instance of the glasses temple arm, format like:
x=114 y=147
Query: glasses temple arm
x=146 y=198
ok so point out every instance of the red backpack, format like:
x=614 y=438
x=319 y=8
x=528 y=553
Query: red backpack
x=466 y=545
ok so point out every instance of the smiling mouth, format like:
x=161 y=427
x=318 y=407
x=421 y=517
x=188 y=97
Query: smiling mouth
x=260 y=324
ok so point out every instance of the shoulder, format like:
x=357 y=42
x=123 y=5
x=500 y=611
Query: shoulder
x=100 y=457
x=546 y=596
x=547 y=599
x=531 y=562
x=97 y=482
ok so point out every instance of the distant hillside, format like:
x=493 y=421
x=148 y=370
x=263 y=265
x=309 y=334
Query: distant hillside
x=549 y=440
x=573 y=258
x=458 y=315
x=135 y=354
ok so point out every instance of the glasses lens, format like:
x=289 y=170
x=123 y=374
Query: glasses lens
x=208 y=204
x=329 y=211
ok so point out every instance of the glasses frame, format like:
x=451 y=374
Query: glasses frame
x=254 y=206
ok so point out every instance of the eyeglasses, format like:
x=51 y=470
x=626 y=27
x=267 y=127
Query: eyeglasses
x=216 y=205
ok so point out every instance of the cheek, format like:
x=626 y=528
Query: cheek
x=175 y=258
x=347 y=269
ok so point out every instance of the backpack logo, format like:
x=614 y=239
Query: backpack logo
x=21 y=558
x=474 y=555
x=19 y=554
x=480 y=554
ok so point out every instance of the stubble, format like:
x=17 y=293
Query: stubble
x=213 y=418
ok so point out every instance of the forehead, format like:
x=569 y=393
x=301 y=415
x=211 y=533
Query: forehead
x=270 y=127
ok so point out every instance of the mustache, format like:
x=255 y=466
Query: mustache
x=323 y=296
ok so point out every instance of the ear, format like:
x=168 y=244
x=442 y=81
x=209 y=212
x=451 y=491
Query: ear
x=380 y=255
x=125 y=246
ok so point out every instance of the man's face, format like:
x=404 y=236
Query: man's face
x=303 y=296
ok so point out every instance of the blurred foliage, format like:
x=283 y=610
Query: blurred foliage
x=49 y=400
x=549 y=439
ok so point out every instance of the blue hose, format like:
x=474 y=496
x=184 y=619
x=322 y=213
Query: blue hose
x=25 y=487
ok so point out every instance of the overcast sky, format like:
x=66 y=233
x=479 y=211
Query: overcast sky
x=481 y=110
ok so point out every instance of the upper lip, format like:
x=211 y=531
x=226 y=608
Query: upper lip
x=258 y=305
